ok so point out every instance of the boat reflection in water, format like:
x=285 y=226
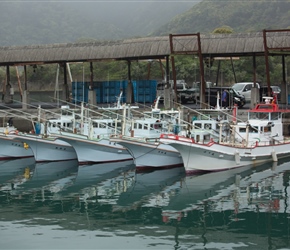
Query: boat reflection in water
x=50 y=175
x=233 y=204
x=147 y=184
x=194 y=191
x=97 y=179
x=15 y=171
x=111 y=206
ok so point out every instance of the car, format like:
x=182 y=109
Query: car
x=275 y=90
x=184 y=93
x=245 y=88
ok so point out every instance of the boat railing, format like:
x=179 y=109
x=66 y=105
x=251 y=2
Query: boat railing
x=137 y=139
x=253 y=144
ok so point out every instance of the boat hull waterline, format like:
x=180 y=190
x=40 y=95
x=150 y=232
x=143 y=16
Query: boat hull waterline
x=218 y=157
x=102 y=151
x=148 y=156
x=46 y=150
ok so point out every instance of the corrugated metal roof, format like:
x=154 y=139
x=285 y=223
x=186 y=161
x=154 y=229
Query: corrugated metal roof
x=242 y=44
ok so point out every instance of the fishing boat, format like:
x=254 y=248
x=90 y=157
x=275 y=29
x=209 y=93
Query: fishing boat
x=46 y=147
x=95 y=150
x=259 y=139
x=92 y=144
x=149 y=153
x=143 y=140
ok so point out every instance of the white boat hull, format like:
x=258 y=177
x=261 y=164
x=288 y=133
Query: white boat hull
x=13 y=149
x=46 y=150
x=217 y=157
x=93 y=151
x=150 y=155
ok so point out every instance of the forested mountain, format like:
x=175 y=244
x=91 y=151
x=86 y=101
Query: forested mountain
x=45 y=21
x=26 y=22
x=241 y=16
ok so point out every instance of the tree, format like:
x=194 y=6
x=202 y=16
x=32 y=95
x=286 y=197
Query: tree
x=223 y=30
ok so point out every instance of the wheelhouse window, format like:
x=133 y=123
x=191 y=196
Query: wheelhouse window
x=242 y=129
x=95 y=125
x=253 y=129
x=207 y=126
x=259 y=116
x=67 y=112
x=267 y=129
x=197 y=125
x=275 y=116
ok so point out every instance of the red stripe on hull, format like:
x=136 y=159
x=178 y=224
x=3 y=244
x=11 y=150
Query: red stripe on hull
x=13 y=158
x=100 y=162
x=150 y=168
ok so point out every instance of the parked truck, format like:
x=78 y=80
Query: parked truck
x=184 y=92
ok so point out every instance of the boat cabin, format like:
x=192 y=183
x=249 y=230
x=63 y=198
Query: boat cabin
x=264 y=124
x=150 y=128
x=97 y=128
x=66 y=122
x=206 y=125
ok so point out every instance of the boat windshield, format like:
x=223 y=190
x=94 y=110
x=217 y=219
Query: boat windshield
x=264 y=116
x=259 y=116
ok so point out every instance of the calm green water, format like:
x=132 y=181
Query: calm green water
x=110 y=206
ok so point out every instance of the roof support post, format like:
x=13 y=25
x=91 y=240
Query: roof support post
x=174 y=80
x=7 y=75
x=254 y=70
x=25 y=77
x=218 y=73
x=91 y=76
x=233 y=68
x=92 y=99
x=267 y=60
x=129 y=90
x=66 y=89
x=167 y=88
x=255 y=94
x=25 y=96
x=276 y=48
x=161 y=69
x=183 y=44
x=8 y=88
x=284 y=86
x=201 y=67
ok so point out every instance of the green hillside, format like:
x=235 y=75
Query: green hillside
x=45 y=22
x=241 y=16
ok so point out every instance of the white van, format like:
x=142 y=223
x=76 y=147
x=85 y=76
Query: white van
x=244 y=88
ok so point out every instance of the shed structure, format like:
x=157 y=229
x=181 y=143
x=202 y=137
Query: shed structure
x=213 y=45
